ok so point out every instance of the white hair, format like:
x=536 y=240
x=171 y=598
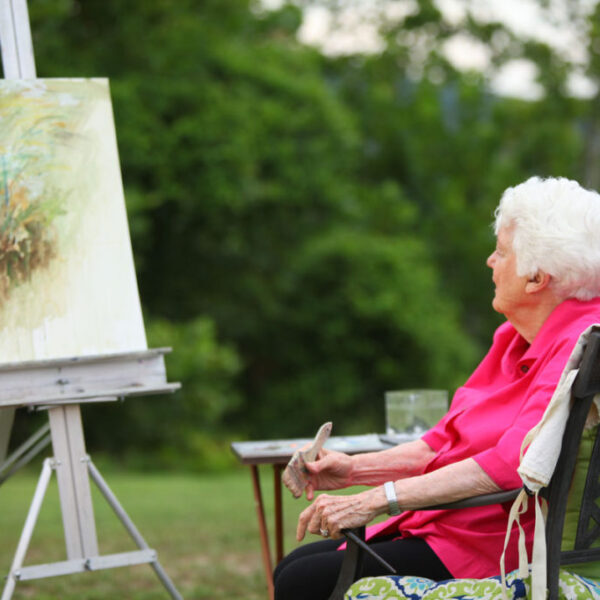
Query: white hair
x=556 y=228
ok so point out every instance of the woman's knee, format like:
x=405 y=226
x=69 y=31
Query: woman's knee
x=308 y=577
x=308 y=572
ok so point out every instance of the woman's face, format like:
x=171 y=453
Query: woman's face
x=510 y=288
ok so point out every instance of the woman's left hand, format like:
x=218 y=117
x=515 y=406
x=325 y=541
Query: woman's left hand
x=328 y=515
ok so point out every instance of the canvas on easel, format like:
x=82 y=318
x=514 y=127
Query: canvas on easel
x=67 y=279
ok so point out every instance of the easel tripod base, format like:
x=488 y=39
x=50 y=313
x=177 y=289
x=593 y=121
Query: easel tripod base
x=145 y=554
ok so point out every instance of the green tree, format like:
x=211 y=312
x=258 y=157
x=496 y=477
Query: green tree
x=450 y=143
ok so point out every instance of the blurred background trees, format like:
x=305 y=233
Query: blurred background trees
x=311 y=230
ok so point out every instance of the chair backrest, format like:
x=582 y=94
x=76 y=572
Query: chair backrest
x=585 y=387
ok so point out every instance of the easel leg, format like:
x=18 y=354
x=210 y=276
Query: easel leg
x=262 y=526
x=7 y=416
x=131 y=528
x=73 y=481
x=32 y=515
x=25 y=452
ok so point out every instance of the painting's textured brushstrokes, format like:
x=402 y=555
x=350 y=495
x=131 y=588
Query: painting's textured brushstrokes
x=31 y=127
x=67 y=282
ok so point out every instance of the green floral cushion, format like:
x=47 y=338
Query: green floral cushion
x=572 y=587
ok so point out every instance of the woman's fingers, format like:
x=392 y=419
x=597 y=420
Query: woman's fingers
x=327 y=516
x=317 y=523
x=303 y=521
x=334 y=517
x=331 y=514
x=310 y=491
x=330 y=472
x=311 y=518
x=318 y=465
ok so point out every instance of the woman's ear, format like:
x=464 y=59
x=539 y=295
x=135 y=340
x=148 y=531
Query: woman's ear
x=537 y=282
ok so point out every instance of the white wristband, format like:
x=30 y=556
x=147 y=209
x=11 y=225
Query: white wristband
x=390 y=494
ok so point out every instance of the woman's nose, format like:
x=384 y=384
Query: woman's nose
x=491 y=260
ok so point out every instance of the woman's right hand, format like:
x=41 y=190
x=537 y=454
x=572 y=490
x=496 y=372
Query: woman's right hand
x=331 y=471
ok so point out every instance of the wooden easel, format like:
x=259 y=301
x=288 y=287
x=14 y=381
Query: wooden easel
x=60 y=386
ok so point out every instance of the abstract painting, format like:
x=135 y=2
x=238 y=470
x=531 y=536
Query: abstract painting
x=67 y=277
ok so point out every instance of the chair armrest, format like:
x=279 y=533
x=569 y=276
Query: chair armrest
x=482 y=500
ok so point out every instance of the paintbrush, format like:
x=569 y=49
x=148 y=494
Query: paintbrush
x=295 y=475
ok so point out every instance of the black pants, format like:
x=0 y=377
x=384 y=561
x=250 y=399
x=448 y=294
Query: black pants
x=311 y=571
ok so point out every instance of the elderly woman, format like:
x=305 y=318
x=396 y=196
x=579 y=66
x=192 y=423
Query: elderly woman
x=546 y=269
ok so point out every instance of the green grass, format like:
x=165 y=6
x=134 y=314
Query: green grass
x=204 y=528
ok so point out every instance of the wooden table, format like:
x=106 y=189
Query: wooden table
x=278 y=453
